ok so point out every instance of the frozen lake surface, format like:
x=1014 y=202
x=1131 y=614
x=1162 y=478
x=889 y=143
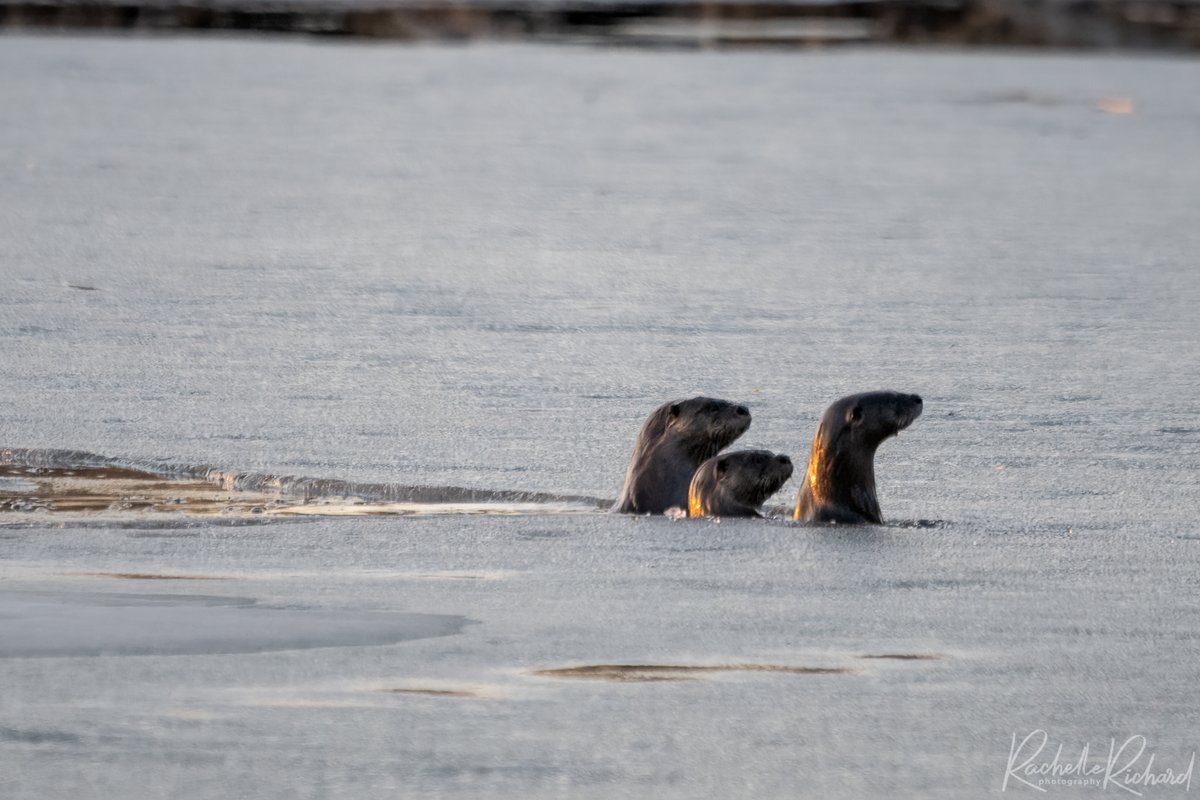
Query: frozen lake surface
x=481 y=268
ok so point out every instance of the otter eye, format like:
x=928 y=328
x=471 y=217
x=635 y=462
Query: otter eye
x=673 y=410
x=855 y=414
x=722 y=466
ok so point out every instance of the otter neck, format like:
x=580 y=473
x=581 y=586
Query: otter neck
x=842 y=475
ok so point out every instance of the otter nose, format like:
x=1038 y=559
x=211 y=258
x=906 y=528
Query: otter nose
x=916 y=398
x=783 y=460
x=742 y=411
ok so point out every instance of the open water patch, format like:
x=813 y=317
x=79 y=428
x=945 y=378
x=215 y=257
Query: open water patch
x=92 y=624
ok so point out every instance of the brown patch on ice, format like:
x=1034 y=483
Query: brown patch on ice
x=432 y=692
x=906 y=656
x=674 y=672
x=146 y=576
x=1115 y=105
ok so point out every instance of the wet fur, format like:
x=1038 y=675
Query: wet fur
x=675 y=439
x=737 y=484
x=839 y=484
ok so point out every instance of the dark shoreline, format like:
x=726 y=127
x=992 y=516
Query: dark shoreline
x=1077 y=24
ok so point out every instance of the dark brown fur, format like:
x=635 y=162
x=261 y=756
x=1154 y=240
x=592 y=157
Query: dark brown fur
x=674 y=440
x=839 y=484
x=737 y=484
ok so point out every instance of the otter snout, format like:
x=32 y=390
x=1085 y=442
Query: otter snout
x=737 y=420
x=914 y=408
x=783 y=467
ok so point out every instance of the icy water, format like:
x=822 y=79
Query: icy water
x=382 y=268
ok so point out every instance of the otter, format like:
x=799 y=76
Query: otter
x=737 y=484
x=839 y=485
x=674 y=440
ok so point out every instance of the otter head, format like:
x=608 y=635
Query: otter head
x=869 y=418
x=737 y=484
x=752 y=476
x=839 y=484
x=674 y=440
x=704 y=426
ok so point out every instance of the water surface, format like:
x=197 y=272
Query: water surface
x=481 y=268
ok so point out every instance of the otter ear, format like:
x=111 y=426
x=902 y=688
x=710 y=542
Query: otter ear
x=854 y=415
x=673 y=411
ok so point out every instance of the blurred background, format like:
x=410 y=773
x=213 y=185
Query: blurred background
x=1173 y=24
